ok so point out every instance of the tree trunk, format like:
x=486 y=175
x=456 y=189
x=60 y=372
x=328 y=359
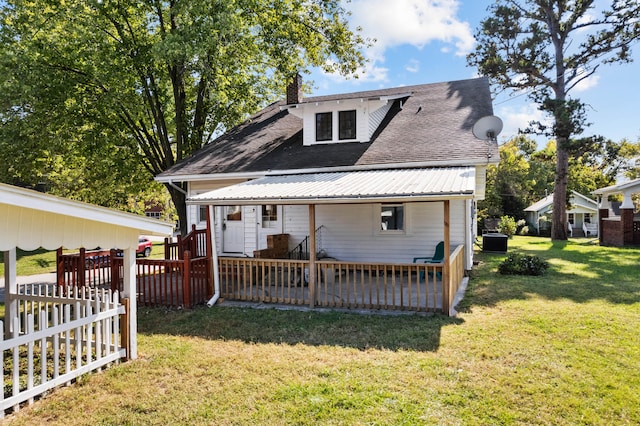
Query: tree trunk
x=559 y=229
x=180 y=202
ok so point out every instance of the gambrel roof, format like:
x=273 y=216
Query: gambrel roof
x=427 y=125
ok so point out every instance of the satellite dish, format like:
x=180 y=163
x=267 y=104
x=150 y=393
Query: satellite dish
x=487 y=128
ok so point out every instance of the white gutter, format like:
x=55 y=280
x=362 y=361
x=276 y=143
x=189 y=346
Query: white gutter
x=176 y=187
x=214 y=259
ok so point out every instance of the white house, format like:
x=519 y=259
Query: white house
x=377 y=166
x=582 y=215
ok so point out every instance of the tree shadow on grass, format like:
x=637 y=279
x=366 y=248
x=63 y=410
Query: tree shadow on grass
x=292 y=327
x=580 y=271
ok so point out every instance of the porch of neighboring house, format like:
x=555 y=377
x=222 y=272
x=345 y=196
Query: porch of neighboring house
x=621 y=228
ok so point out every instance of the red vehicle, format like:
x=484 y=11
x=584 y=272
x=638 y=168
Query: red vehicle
x=144 y=247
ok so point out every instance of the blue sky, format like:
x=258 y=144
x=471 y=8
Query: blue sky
x=425 y=41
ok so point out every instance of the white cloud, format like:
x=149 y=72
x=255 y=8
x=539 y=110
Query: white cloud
x=370 y=72
x=410 y=22
x=587 y=83
x=515 y=118
x=412 y=66
x=414 y=22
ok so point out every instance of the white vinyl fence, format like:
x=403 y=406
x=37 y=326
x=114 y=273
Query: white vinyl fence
x=58 y=335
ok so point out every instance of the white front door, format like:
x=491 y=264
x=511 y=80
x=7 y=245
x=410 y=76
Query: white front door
x=233 y=230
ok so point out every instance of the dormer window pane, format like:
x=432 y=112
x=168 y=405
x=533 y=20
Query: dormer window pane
x=347 y=124
x=324 y=129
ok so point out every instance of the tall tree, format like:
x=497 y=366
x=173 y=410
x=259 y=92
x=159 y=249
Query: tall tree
x=546 y=48
x=162 y=77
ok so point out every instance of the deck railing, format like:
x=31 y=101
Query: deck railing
x=195 y=242
x=159 y=282
x=356 y=285
x=172 y=283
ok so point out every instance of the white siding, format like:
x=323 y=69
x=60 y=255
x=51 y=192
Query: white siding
x=199 y=187
x=481 y=182
x=376 y=116
x=369 y=115
x=349 y=232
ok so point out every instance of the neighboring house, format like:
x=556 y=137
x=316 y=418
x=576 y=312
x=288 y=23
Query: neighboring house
x=621 y=226
x=384 y=174
x=582 y=215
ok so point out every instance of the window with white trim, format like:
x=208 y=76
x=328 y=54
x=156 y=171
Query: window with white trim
x=202 y=213
x=392 y=217
x=347 y=124
x=269 y=215
x=324 y=126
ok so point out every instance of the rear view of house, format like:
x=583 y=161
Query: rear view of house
x=373 y=178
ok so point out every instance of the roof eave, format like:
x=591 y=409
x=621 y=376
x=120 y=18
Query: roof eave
x=255 y=175
x=334 y=200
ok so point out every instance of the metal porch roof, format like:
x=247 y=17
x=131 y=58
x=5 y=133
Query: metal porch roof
x=397 y=185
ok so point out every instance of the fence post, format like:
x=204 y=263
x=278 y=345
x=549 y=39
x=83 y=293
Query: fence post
x=59 y=267
x=180 y=248
x=80 y=267
x=186 y=280
x=115 y=269
x=167 y=254
x=124 y=327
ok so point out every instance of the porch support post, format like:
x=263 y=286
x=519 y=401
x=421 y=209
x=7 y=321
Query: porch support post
x=129 y=291
x=11 y=289
x=446 y=276
x=312 y=254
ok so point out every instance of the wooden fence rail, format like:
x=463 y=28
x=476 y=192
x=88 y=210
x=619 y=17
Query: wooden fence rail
x=59 y=335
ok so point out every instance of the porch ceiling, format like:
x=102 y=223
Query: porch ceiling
x=397 y=185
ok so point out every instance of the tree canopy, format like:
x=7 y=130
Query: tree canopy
x=143 y=84
x=546 y=48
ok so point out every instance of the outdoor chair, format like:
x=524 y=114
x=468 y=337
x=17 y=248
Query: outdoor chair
x=438 y=257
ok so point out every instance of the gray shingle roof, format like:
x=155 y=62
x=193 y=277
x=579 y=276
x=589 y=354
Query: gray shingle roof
x=432 y=126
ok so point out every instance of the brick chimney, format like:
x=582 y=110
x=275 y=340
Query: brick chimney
x=294 y=90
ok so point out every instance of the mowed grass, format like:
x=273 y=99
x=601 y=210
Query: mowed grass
x=559 y=349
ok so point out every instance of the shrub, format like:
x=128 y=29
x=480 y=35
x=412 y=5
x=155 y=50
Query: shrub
x=507 y=226
x=522 y=264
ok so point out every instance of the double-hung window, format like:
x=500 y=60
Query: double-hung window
x=347 y=124
x=324 y=126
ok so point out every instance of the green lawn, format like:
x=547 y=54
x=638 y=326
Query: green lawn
x=559 y=349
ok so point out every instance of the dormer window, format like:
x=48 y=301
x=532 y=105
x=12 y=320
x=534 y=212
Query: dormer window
x=324 y=126
x=347 y=124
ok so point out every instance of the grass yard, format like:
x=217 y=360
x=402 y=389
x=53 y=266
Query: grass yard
x=559 y=349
